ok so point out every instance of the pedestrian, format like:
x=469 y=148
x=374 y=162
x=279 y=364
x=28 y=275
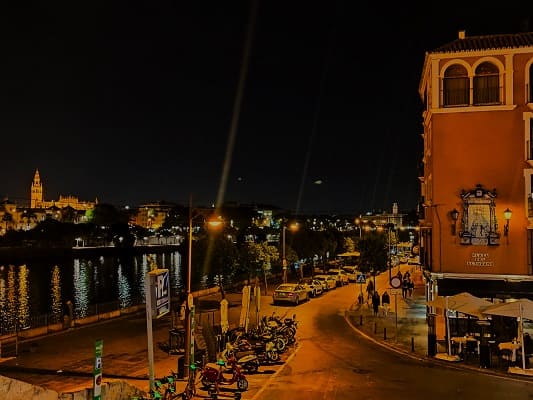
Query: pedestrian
x=375 y=303
x=361 y=298
x=369 y=289
x=410 y=286
x=405 y=287
x=399 y=274
x=385 y=302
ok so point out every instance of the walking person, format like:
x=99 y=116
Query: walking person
x=375 y=303
x=385 y=302
x=405 y=286
x=410 y=287
x=369 y=290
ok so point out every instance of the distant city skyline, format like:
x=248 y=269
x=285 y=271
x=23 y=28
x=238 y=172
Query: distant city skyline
x=300 y=107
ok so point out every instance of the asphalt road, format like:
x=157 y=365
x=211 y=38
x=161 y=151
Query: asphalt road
x=331 y=360
x=334 y=362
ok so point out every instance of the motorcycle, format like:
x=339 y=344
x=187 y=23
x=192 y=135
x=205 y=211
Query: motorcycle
x=265 y=349
x=213 y=375
x=247 y=359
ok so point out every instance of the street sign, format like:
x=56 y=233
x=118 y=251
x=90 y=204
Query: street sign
x=361 y=278
x=159 y=292
x=395 y=291
x=97 y=370
x=395 y=282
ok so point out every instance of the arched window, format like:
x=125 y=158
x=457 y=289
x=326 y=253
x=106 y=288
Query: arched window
x=530 y=91
x=456 y=86
x=486 y=84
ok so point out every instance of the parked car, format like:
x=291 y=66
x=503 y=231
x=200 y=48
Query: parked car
x=313 y=286
x=340 y=275
x=352 y=273
x=330 y=281
x=413 y=260
x=290 y=293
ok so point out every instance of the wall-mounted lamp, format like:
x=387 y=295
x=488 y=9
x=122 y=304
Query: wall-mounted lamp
x=507 y=214
x=454 y=214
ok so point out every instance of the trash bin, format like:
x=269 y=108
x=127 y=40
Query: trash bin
x=484 y=356
x=181 y=367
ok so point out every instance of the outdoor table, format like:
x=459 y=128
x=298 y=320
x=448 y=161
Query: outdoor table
x=462 y=340
x=511 y=347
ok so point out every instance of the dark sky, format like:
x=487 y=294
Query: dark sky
x=131 y=104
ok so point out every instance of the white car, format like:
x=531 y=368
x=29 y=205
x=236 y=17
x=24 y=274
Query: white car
x=351 y=272
x=340 y=276
x=328 y=281
x=314 y=286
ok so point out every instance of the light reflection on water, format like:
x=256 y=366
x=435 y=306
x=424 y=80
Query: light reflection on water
x=44 y=286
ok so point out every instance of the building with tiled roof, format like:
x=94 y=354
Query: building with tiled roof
x=477 y=186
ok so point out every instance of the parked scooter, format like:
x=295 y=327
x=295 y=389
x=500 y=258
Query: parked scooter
x=247 y=359
x=214 y=375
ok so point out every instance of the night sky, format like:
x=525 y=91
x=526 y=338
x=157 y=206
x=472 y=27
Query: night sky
x=132 y=104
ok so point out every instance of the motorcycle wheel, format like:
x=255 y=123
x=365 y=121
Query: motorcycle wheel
x=242 y=384
x=205 y=382
x=273 y=355
x=280 y=344
x=252 y=366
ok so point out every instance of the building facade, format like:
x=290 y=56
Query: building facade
x=37 y=198
x=476 y=215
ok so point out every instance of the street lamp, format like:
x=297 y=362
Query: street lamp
x=389 y=226
x=292 y=227
x=189 y=332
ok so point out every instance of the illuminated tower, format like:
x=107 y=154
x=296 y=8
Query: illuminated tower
x=36 y=191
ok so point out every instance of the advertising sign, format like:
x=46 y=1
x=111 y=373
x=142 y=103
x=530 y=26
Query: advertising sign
x=97 y=371
x=159 y=292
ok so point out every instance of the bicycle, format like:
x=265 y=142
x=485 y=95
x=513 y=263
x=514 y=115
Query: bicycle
x=190 y=389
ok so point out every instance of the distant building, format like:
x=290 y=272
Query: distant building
x=37 y=198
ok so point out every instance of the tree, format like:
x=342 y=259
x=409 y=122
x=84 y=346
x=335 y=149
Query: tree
x=349 y=245
x=373 y=249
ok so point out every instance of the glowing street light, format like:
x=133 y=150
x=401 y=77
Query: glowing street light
x=189 y=332
x=292 y=227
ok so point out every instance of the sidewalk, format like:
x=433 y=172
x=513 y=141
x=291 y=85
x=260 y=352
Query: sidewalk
x=405 y=330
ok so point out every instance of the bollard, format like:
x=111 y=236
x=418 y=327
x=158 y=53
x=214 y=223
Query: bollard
x=385 y=333
x=412 y=344
x=361 y=319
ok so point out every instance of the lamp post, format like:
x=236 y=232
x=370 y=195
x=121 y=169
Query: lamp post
x=189 y=332
x=389 y=226
x=283 y=258
x=189 y=343
x=292 y=227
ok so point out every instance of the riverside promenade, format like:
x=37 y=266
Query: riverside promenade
x=59 y=366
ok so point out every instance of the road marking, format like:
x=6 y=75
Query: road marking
x=275 y=374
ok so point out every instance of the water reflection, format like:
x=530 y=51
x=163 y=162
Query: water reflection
x=43 y=287
x=55 y=287
x=23 y=298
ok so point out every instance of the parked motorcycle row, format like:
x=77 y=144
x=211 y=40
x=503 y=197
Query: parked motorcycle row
x=245 y=351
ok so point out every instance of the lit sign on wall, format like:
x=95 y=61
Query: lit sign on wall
x=480 y=260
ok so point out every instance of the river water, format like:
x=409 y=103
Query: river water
x=44 y=286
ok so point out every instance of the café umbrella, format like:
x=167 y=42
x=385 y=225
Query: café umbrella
x=465 y=303
x=520 y=309
x=224 y=322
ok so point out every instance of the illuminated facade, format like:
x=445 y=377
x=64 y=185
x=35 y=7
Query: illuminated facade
x=37 y=198
x=476 y=191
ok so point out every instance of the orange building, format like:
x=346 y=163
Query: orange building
x=476 y=193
